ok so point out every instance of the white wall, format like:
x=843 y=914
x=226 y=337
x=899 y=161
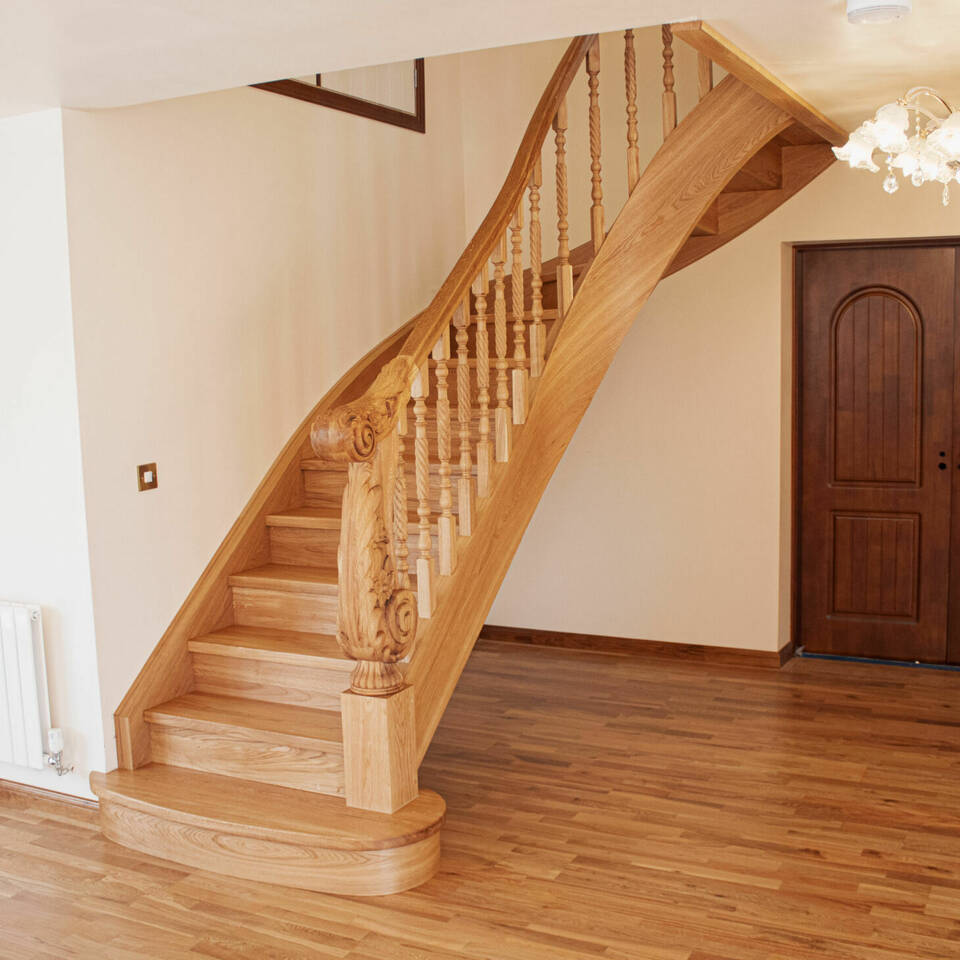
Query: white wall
x=668 y=518
x=232 y=255
x=43 y=536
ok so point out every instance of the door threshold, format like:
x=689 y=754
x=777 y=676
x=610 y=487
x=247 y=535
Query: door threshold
x=802 y=652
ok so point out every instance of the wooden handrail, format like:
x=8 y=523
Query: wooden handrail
x=434 y=322
x=436 y=317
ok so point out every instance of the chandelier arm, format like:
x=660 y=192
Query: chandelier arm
x=928 y=92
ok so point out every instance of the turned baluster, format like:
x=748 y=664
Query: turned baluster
x=630 y=80
x=484 y=454
x=669 y=96
x=501 y=417
x=519 y=327
x=446 y=525
x=564 y=270
x=400 y=518
x=537 y=336
x=465 y=491
x=596 y=191
x=704 y=74
x=426 y=598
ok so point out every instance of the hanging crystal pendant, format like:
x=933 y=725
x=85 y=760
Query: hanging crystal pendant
x=891 y=184
x=946 y=195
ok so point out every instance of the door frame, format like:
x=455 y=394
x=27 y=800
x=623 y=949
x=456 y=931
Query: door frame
x=796 y=419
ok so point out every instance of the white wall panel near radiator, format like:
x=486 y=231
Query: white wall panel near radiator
x=24 y=704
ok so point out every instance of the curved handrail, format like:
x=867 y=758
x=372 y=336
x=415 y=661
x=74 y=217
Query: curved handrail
x=431 y=322
x=437 y=315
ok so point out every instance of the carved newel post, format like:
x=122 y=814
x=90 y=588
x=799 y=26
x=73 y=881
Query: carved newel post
x=377 y=611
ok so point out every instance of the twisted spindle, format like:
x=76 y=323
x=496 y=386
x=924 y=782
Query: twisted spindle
x=537 y=336
x=564 y=270
x=501 y=416
x=465 y=491
x=446 y=525
x=519 y=326
x=401 y=549
x=630 y=82
x=425 y=594
x=596 y=190
x=669 y=96
x=480 y=287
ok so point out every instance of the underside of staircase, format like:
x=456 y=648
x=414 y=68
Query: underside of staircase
x=276 y=730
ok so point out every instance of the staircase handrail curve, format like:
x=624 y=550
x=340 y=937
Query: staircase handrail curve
x=350 y=433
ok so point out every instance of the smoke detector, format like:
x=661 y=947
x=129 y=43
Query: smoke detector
x=877 y=11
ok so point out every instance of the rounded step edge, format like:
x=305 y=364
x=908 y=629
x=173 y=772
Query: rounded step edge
x=335 y=849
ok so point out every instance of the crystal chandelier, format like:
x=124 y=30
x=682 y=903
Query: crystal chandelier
x=932 y=154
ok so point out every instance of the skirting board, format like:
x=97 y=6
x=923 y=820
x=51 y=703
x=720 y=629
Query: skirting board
x=654 y=649
x=11 y=786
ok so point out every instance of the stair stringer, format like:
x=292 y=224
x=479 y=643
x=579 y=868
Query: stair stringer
x=682 y=180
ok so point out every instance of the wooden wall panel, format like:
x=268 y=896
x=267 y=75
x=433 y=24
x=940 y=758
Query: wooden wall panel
x=876 y=390
x=875 y=565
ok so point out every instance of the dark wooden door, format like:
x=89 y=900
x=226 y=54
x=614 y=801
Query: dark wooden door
x=876 y=450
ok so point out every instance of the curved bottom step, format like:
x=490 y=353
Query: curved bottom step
x=270 y=834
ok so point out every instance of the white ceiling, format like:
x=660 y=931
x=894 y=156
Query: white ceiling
x=103 y=53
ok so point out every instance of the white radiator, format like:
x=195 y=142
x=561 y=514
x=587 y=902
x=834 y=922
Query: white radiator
x=24 y=704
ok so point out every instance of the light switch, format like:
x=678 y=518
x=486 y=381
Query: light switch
x=147 y=476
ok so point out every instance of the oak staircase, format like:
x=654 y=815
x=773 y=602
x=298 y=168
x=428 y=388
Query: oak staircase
x=276 y=731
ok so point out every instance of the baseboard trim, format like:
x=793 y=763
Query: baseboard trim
x=652 y=649
x=11 y=786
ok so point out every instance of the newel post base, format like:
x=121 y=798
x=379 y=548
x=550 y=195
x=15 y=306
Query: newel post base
x=379 y=750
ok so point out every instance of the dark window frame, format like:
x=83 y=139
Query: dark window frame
x=416 y=121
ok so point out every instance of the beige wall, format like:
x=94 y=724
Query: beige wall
x=232 y=255
x=668 y=518
x=43 y=532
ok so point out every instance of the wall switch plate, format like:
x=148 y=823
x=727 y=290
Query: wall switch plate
x=147 y=476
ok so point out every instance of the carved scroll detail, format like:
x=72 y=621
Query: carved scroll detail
x=350 y=433
x=377 y=621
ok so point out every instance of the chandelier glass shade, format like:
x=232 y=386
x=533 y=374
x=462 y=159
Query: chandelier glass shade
x=930 y=155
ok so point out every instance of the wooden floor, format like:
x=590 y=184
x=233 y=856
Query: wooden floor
x=599 y=806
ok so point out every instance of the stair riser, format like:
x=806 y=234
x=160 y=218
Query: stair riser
x=288 y=683
x=302 y=765
x=316 y=613
x=304 y=546
x=323 y=488
x=264 y=860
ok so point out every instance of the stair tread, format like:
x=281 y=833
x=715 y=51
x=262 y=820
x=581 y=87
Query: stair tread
x=197 y=709
x=288 y=577
x=314 y=518
x=269 y=643
x=261 y=810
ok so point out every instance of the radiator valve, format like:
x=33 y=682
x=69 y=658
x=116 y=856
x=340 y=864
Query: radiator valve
x=54 y=755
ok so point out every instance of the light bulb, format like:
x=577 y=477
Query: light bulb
x=858 y=152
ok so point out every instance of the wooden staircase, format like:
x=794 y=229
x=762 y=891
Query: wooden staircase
x=276 y=731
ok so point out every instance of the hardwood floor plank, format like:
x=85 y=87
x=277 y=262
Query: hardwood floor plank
x=599 y=806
